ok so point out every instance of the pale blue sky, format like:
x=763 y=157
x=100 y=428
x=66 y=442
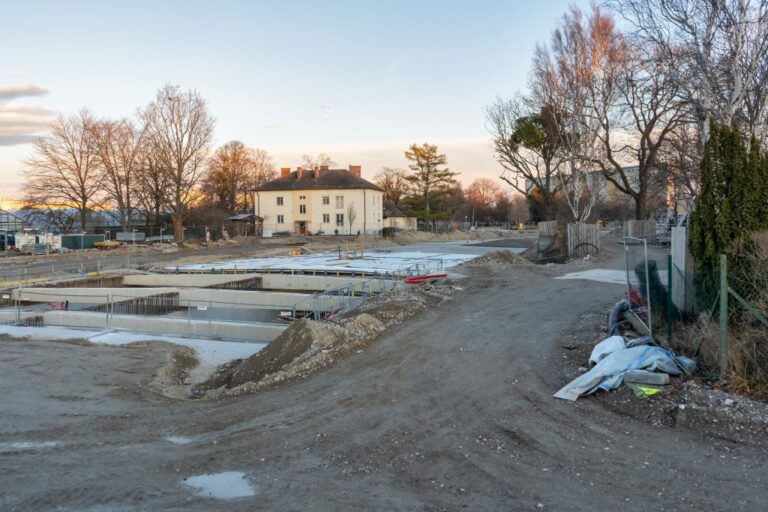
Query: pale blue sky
x=359 y=80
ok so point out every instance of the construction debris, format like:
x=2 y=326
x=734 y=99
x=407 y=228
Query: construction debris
x=615 y=362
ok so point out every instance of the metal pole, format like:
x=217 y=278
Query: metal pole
x=648 y=290
x=669 y=298
x=723 y=315
x=626 y=267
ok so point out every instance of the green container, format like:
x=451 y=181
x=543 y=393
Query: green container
x=78 y=242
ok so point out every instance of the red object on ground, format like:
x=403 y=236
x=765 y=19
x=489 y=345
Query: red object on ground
x=634 y=298
x=421 y=279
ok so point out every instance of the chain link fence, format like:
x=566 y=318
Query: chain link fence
x=719 y=317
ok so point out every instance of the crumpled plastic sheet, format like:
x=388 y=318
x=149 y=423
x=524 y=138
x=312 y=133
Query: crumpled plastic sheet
x=613 y=358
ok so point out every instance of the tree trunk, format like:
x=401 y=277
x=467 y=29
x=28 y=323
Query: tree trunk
x=178 y=227
x=82 y=219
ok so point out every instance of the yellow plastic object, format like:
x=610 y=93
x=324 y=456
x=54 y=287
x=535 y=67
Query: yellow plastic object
x=648 y=391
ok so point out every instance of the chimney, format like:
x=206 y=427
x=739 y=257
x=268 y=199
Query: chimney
x=355 y=169
x=299 y=173
x=320 y=169
x=285 y=171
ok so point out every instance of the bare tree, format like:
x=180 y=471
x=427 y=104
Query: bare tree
x=180 y=129
x=526 y=146
x=263 y=167
x=319 y=160
x=482 y=193
x=428 y=171
x=562 y=75
x=679 y=155
x=64 y=169
x=119 y=144
x=718 y=50
x=152 y=183
x=634 y=104
x=351 y=215
x=518 y=209
x=395 y=184
x=233 y=172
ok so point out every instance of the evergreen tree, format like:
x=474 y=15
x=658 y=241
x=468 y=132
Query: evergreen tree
x=733 y=203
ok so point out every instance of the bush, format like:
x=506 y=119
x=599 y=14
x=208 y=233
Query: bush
x=389 y=232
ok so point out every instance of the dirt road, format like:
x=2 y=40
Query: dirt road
x=454 y=411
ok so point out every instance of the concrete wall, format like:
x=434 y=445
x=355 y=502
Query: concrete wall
x=85 y=295
x=184 y=280
x=234 y=298
x=242 y=299
x=401 y=223
x=166 y=326
x=306 y=283
x=269 y=281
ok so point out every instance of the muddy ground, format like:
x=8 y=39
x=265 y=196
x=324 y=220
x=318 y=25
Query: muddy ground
x=451 y=411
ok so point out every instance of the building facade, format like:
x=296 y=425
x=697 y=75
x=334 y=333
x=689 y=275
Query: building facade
x=396 y=219
x=320 y=201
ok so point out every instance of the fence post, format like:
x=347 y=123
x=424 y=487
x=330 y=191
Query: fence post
x=723 y=315
x=669 y=298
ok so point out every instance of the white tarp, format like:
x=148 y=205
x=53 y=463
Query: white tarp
x=613 y=362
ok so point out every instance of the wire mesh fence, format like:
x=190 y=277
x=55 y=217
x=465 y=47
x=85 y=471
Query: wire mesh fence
x=164 y=314
x=638 y=269
x=26 y=273
x=717 y=316
x=322 y=305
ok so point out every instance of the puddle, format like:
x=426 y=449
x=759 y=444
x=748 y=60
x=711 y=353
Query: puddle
x=26 y=445
x=180 y=439
x=224 y=486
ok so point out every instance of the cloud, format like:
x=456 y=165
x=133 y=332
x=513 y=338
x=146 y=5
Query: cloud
x=11 y=92
x=19 y=124
x=15 y=140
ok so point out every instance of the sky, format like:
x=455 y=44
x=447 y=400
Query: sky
x=359 y=80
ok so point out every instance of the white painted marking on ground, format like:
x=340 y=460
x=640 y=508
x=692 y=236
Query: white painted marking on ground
x=224 y=486
x=599 y=275
x=27 y=445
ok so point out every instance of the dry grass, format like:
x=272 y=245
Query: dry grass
x=747 y=371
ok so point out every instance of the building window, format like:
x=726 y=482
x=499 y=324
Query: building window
x=340 y=219
x=302 y=198
x=280 y=218
x=326 y=218
x=326 y=200
x=339 y=201
x=302 y=208
x=279 y=200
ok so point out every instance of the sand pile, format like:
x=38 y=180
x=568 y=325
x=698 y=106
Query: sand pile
x=308 y=345
x=504 y=257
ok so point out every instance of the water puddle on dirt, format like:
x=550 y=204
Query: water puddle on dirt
x=26 y=445
x=180 y=439
x=224 y=486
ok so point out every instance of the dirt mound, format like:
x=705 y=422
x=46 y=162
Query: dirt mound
x=173 y=378
x=308 y=345
x=295 y=341
x=501 y=258
x=407 y=237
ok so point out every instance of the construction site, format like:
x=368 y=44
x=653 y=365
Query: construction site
x=309 y=376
